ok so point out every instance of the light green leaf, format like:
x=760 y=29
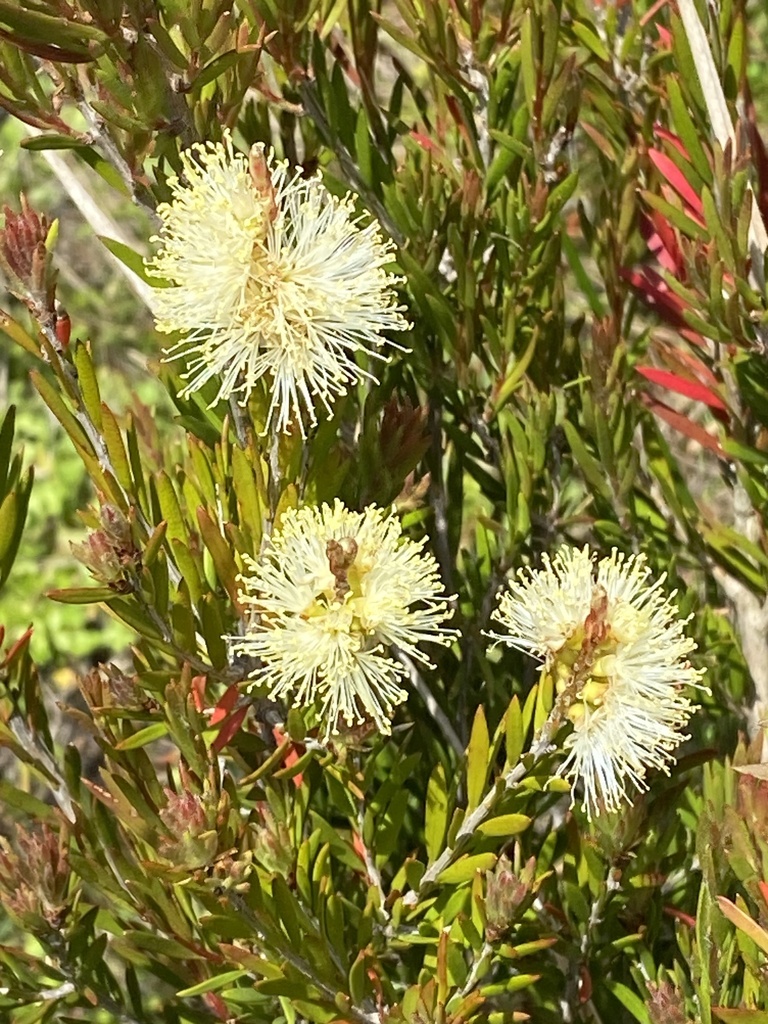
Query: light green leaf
x=477 y=759
x=465 y=867
x=505 y=825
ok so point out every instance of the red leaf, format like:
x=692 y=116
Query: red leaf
x=664 y=133
x=198 y=692
x=683 y=424
x=358 y=846
x=217 y=1005
x=291 y=757
x=13 y=652
x=672 y=173
x=689 y=388
x=425 y=142
x=662 y=242
x=686 y=363
x=225 y=704
x=654 y=291
x=759 y=159
x=229 y=728
x=680 y=915
x=652 y=12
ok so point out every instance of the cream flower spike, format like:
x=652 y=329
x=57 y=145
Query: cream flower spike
x=615 y=648
x=332 y=593
x=269 y=276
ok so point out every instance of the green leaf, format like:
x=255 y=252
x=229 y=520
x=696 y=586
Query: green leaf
x=51 y=31
x=528 y=60
x=357 y=979
x=217 y=67
x=17 y=333
x=212 y=628
x=9 y=510
x=744 y=922
x=126 y=610
x=221 y=552
x=716 y=230
x=28 y=805
x=287 y=911
x=686 y=224
x=583 y=278
x=89 y=387
x=118 y=456
x=591 y=40
x=131 y=259
x=590 y=467
x=188 y=569
x=740 y=1016
x=505 y=825
x=58 y=407
x=148 y=734
x=702 y=965
x=212 y=984
x=465 y=867
x=477 y=759
x=689 y=134
x=246 y=489
x=436 y=820
x=38 y=143
x=6 y=445
x=629 y=1000
x=81 y=595
x=515 y=734
x=170 y=507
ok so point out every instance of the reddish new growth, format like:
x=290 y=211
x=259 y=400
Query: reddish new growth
x=109 y=553
x=34 y=877
x=27 y=262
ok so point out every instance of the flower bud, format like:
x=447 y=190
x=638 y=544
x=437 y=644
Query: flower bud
x=109 y=552
x=271 y=843
x=108 y=687
x=191 y=822
x=666 y=1005
x=34 y=879
x=26 y=261
x=505 y=891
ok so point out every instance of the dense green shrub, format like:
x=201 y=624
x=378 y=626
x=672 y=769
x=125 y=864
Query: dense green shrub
x=380 y=563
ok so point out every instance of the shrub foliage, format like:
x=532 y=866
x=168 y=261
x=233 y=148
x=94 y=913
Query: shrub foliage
x=576 y=195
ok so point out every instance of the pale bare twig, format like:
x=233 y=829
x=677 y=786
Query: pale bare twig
x=73 y=181
x=474 y=820
x=440 y=718
x=722 y=126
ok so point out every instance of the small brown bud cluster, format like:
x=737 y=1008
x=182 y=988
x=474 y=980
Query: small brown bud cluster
x=505 y=892
x=403 y=439
x=193 y=822
x=108 y=687
x=271 y=843
x=109 y=553
x=27 y=262
x=665 y=1005
x=34 y=879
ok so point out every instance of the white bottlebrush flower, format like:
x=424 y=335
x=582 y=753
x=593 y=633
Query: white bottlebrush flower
x=615 y=647
x=269 y=276
x=329 y=597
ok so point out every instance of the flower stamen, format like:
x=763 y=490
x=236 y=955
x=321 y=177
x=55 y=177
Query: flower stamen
x=333 y=592
x=617 y=655
x=270 y=278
